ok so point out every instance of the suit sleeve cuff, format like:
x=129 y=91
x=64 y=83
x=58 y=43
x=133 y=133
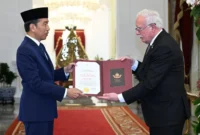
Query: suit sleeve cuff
x=121 y=98
x=65 y=93
x=135 y=65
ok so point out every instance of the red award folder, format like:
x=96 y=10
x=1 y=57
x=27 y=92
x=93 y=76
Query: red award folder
x=99 y=77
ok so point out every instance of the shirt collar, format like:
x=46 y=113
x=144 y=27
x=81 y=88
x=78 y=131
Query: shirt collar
x=151 y=43
x=35 y=40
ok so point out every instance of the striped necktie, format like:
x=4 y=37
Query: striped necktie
x=43 y=50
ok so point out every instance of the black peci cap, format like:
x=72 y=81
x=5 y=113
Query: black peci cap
x=34 y=14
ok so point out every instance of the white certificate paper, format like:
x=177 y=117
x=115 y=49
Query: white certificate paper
x=87 y=77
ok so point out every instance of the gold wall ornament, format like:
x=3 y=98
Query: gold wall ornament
x=71 y=50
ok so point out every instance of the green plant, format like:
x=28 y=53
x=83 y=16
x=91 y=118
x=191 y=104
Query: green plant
x=196 y=123
x=195 y=13
x=6 y=76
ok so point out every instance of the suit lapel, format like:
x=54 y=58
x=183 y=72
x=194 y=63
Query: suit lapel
x=47 y=63
x=153 y=47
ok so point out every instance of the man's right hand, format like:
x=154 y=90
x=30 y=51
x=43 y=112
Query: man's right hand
x=127 y=57
x=74 y=93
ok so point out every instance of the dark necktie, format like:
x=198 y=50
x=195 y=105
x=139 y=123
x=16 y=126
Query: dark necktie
x=43 y=50
x=148 y=47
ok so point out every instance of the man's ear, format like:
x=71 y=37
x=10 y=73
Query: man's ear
x=32 y=27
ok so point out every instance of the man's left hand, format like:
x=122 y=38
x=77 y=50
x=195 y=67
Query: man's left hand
x=109 y=96
x=69 y=68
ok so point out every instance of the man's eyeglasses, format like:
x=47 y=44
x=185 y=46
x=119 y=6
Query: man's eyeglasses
x=139 y=29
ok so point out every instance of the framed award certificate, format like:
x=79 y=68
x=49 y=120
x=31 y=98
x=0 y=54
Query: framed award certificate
x=87 y=77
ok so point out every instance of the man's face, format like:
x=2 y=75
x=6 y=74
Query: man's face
x=41 y=30
x=143 y=30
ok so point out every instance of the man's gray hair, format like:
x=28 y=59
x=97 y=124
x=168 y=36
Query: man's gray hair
x=151 y=17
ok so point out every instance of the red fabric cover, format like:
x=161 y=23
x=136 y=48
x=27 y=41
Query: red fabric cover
x=186 y=31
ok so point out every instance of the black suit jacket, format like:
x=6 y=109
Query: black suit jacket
x=161 y=84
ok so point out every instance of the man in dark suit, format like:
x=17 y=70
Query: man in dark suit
x=161 y=79
x=38 y=106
